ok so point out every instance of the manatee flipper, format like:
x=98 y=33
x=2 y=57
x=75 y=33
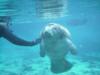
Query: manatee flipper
x=72 y=47
x=42 y=50
x=60 y=66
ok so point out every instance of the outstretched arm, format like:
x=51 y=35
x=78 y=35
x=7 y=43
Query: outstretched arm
x=6 y=33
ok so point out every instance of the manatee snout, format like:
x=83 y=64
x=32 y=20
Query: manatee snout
x=47 y=35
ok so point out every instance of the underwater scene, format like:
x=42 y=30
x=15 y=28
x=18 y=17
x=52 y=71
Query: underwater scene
x=49 y=37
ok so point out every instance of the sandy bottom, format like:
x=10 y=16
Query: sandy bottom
x=41 y=66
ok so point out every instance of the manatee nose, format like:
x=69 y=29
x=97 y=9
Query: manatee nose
x=47 y=34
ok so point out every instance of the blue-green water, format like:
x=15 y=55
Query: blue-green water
x=82 y=20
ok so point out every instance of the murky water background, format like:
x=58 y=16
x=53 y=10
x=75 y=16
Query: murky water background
x=82 y=20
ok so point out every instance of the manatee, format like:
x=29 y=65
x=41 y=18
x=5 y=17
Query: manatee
x=56 y=43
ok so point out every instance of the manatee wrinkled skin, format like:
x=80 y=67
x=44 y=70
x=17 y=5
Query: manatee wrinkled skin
x=56 y=44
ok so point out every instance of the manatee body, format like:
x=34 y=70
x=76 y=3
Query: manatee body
x=56 y=43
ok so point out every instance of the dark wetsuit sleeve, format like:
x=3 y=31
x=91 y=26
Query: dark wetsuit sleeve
x=6 y=33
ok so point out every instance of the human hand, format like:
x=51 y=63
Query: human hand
x=37 y=40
